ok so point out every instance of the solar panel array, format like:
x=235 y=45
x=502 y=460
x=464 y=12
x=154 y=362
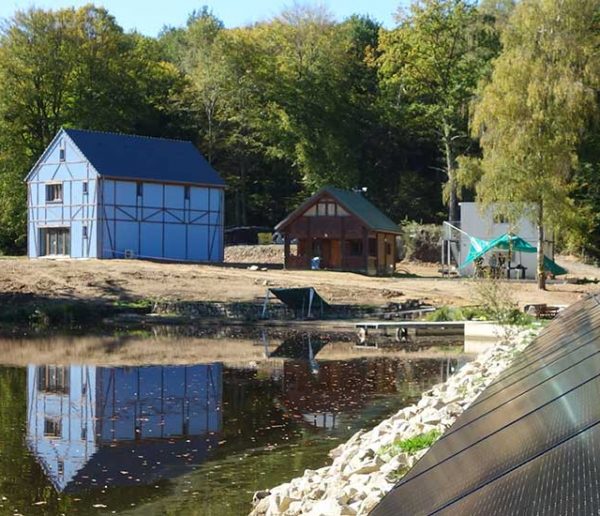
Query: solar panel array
x=529 y=444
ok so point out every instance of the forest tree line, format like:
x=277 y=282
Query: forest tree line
x=287 y=105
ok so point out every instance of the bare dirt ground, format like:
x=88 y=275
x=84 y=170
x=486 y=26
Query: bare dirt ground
x=132 y=279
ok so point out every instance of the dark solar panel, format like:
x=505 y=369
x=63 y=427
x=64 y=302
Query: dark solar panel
x=528 y=443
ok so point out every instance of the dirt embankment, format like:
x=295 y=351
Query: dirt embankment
x=130 y=280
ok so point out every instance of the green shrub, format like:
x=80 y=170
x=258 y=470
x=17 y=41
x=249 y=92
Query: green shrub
x=412 y=444
x=265 y=238
x=421 y=241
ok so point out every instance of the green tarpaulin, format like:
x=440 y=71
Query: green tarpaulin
x=480 y=247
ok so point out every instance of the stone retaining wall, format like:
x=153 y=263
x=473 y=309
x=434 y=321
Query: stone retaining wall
x=366 y=467
x=248 y=311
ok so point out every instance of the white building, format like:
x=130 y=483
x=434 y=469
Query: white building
x=486 y=226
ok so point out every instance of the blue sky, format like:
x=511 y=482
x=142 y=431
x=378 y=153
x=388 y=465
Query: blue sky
x=149 y=16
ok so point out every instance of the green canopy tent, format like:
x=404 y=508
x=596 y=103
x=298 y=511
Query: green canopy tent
x=508 y=241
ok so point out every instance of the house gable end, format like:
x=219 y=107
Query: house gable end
x=51 y=161
x=333 y=194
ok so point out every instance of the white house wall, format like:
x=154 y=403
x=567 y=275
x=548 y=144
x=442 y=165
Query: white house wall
x=64 y=455
x=482 y=225
x=76 y=209
x=161 y=223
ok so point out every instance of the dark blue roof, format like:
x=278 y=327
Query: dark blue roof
x=142 y=157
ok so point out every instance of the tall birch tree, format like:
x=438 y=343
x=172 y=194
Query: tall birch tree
x=532 y=114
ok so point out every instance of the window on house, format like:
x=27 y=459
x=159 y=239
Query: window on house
x=354 y=247
x=140 y=189
x=53 y=379
x=372 y=247
x=62 y=154
x=61 y=468
x=388 y=248
x=55 y=241
x=85 y=187
x=52 y=427
x=54 y=192
x=311 y=212
x=84 y=231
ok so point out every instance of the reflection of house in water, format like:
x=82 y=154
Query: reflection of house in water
x=345 y=386
x=89 y=425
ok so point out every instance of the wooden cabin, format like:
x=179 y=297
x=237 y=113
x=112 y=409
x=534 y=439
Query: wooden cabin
x=344 y=230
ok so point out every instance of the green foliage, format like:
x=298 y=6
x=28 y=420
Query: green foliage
x=435 y=59
x=421 y=241
x=265 y=238
x=300 y=101
x=495 y=300
x=531 y=115
x=411 y=445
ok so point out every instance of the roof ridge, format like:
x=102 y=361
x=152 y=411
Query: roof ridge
x=131 y=135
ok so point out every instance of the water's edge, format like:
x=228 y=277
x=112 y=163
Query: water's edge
x=368 y=465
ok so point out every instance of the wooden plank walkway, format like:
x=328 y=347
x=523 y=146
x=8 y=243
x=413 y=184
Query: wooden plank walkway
x=402 y=330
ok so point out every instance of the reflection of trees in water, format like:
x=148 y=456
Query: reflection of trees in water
x=252 y=417
x=347 y=386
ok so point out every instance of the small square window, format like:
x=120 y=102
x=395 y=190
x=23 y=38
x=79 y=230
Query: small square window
x=85 y=231
x=52 y=427
x=54 y=192
x=85 y=187
x=62 y=154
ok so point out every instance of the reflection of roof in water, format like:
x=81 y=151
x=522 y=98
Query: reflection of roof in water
x=299 y=347
x=134 y=463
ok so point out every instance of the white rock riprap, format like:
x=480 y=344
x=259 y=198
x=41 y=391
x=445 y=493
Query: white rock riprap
x=365 y=467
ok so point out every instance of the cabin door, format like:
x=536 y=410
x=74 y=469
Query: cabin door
x=335 y=261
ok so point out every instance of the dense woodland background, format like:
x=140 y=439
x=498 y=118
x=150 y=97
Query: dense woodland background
x=285 y=106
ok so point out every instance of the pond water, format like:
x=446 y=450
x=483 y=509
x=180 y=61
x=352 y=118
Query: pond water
x=89 y=427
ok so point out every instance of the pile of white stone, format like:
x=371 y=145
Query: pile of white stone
x=366 y=467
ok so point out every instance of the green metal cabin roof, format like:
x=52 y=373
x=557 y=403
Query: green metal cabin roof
x=353 y=202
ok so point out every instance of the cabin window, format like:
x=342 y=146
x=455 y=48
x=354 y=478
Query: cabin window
x=326 y=209
x=140 y=189
x=52 y=427
x=55 y=241
x=62 y=154
x=84 y=185
x=354 y=247
x=84 y=231
x=53 y=379
x=372 y=247
x=54 y=192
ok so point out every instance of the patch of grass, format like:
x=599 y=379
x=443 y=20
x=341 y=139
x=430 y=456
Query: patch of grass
x=510 y=316
x=412 y=444
x=136 y=305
